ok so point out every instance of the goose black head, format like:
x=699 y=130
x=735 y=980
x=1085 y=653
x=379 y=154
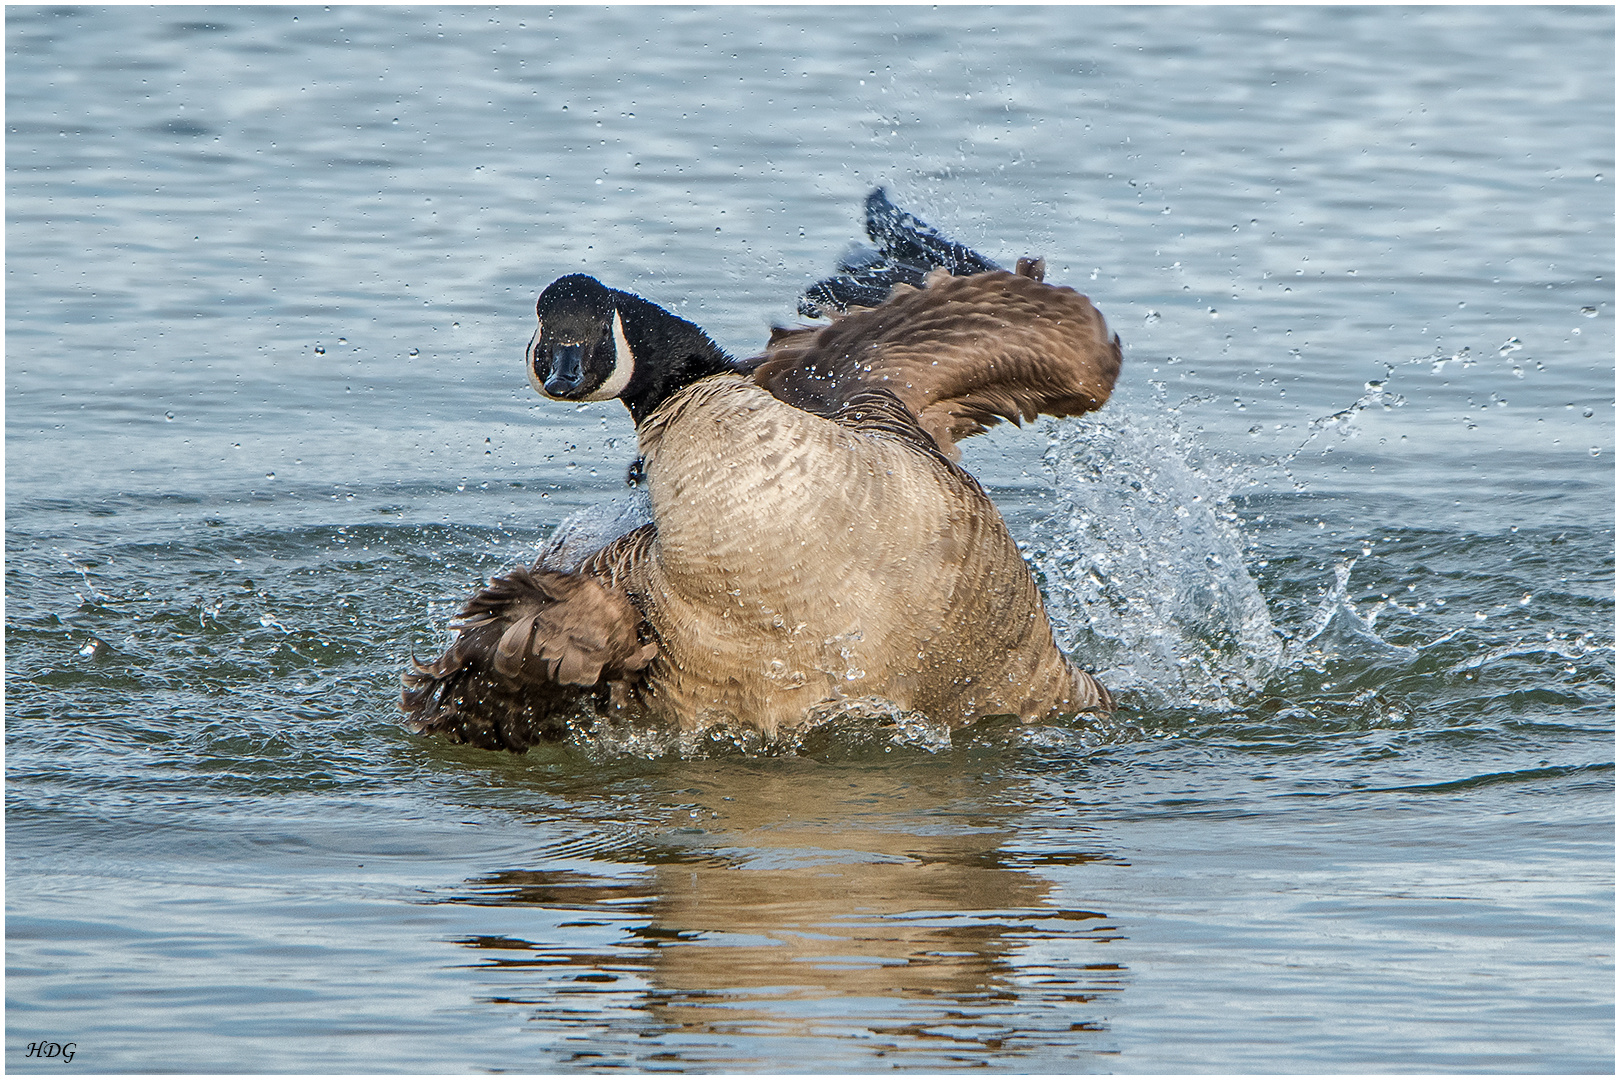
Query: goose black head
x=579 y=351
x=595 y=343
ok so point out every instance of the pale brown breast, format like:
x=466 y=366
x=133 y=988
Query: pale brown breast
x=799 y=559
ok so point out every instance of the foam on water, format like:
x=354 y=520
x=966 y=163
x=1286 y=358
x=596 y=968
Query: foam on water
x=848 y=729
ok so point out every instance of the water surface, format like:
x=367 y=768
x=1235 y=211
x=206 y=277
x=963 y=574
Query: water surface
x=1343 y=540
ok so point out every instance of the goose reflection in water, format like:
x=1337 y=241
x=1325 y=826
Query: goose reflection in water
x=859 y=905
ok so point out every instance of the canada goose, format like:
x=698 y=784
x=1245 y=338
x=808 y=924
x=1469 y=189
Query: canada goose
x=811 y=537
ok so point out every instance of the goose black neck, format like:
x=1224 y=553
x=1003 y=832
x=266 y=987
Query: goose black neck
x=670 y=354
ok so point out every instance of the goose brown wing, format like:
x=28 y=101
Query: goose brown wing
x=531 y=647
x=962 y=353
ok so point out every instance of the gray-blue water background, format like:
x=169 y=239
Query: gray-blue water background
x=269 y=273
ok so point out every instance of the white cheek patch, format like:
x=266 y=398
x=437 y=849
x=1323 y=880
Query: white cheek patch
x=528 y=363
x=624 y=366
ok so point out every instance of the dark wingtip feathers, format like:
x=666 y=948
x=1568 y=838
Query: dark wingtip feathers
x=906 y=238
x=908 y=248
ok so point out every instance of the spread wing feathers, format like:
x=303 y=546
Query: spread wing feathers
x=962 y=353
x=877 y=411
x=907 y=249
x=531 y=647
x=565 y=628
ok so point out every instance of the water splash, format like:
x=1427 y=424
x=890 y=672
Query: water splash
x=587 y=531
x=1143 y=563
x=847 y=728
x=1337 y=628
x=1375 y=393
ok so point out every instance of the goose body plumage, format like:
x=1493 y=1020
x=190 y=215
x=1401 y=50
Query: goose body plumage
x=811 y=538
x=820 y=558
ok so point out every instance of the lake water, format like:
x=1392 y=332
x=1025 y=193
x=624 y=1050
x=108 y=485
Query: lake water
x=1343 y=540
